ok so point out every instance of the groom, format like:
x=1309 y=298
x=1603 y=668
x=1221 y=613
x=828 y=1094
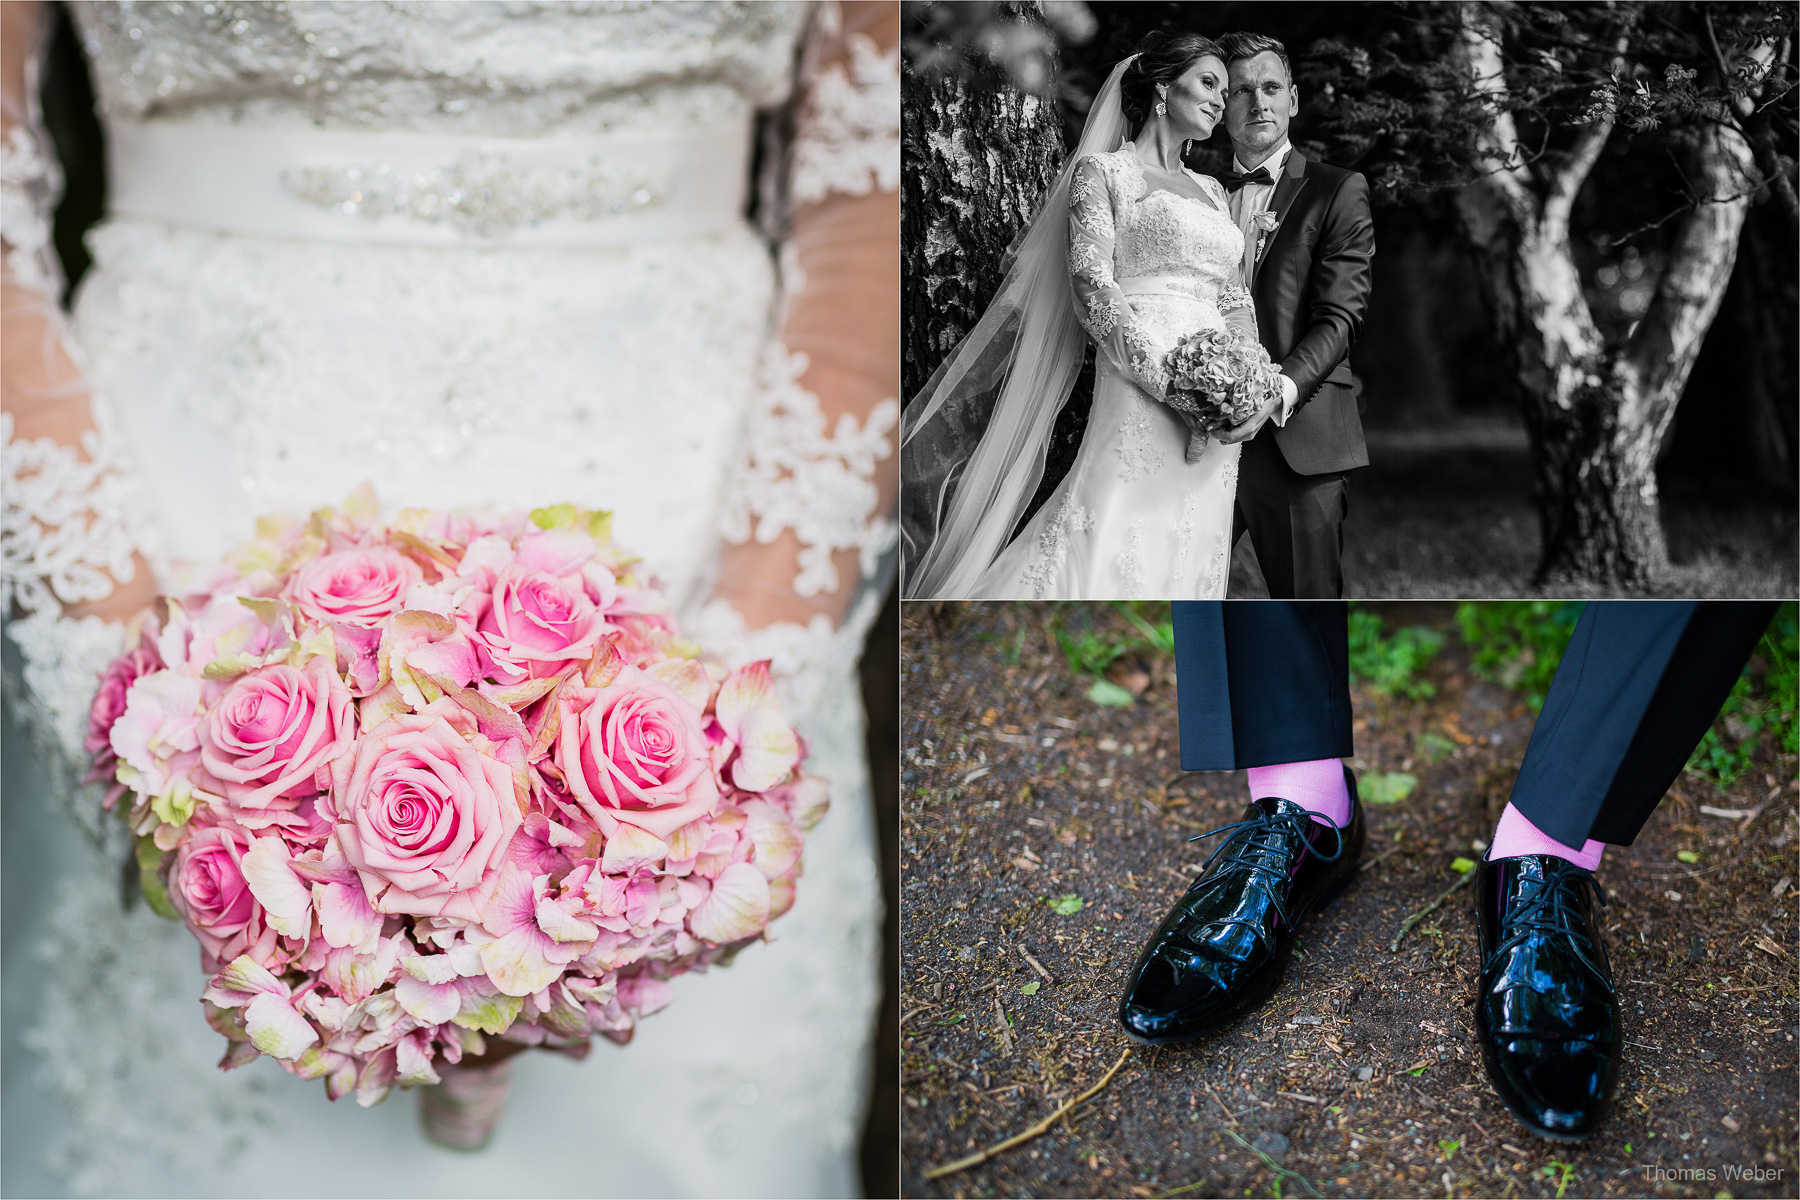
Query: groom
x=1309 y=243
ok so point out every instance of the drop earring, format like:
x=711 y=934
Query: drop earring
x=1162 y=105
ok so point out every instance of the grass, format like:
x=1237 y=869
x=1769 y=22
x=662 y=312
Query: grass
x=1390 y=665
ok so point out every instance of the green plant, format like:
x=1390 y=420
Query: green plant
x=1518 y=643
x=1389 y=666
x=1092 y=652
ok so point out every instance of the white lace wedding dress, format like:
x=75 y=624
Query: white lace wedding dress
x=478 y=254
x=1133 y=518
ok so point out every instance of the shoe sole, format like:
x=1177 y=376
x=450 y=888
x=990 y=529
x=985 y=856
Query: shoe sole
x=1259 y=997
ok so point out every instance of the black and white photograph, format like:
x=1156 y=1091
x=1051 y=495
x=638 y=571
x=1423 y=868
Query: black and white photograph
x=1309 y=301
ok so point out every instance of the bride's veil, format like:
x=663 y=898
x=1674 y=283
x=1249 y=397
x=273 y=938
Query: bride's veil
x=975 y=437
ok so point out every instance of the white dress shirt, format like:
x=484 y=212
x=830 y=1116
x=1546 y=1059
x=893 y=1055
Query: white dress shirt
x=1246 y=202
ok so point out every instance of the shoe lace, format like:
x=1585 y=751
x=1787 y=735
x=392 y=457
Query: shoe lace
x=1550 y=909
x=1262 y=839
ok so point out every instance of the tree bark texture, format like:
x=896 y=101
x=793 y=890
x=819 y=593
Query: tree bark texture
x=1596 y=413
x=976 y=153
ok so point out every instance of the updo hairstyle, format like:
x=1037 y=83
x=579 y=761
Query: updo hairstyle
x=1163 y=57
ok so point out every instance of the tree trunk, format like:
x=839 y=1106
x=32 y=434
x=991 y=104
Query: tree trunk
x=1596 y=413
x=976 y=154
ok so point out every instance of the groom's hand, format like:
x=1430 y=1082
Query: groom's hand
x=1253 y=424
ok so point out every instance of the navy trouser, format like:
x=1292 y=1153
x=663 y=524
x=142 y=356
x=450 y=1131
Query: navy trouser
x=1267 y=681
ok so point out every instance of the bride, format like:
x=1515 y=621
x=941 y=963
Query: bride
x=1138 y=252
x=481 y=254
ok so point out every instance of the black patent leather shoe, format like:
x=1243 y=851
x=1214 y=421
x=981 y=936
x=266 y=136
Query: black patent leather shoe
x=1546 y=1016
x=1221 y=951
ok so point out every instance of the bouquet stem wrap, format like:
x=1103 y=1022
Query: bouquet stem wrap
x=463 y=1111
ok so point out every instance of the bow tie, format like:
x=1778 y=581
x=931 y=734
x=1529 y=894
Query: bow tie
x=1234 y=181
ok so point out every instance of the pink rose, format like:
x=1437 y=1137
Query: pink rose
x=635 y=751
x=274 y=728
x=425 y=818
x=537 y=624
x=109 y=700
x=360 y=588
x=207 y=888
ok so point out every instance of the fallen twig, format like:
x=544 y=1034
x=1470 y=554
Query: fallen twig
x=981 y=1156
x=1299 y=1097
x=1006 y=1045
x=1220 y=1103
x=1406 y=928
x=1035 y=964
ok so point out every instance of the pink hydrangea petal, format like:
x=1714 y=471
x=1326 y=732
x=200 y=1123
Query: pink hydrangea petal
x=777 y=843
x=735 y=909
x=272 y=881
x=629 y=848
x=412 y=1061
x=276 y=1029
x=517 y=964
x=431 y=1003
x=768 y=751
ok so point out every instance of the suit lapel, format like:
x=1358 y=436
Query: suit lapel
x=1293 y=178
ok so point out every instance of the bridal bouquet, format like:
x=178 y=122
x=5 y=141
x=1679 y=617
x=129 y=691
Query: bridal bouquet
x=1218 y=378
x=418 y=785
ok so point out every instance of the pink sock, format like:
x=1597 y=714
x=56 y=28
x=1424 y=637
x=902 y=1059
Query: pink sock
x=1514 y=836
x=1316 y=786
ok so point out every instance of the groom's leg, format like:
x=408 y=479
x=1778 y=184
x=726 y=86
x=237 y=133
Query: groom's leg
x=1296 y=522
x=1635 y=692
x=1262 y=685
x=1261 y=682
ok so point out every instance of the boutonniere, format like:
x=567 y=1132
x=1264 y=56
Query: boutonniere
x=1265 y=223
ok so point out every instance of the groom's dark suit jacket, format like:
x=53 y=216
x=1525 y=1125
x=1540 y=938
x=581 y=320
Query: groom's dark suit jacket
x=1311 y=288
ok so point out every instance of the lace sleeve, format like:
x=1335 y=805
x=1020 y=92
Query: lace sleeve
x=1098 y=301
x=70 y=509
x=68 y=532
x=809 y=511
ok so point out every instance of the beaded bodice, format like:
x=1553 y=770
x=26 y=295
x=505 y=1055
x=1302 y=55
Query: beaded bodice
x=514 y=69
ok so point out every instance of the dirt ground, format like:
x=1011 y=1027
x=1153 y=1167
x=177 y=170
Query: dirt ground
x=1361 y=1076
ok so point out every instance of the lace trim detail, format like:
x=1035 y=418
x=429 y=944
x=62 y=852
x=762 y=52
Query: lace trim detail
x=30 y=182
x=1184 y=535
x=1142 y=458
x=1131 y=561
x=1147 y=367
x=479 y=193
x=66 y=521
x=1103 y=317
x=1053 y=545
x=847 y=137
x=1086 y=262
x=795 y=476
x=1087 y=186
x=1231 y=297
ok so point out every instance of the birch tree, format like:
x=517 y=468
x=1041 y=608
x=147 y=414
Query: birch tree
x=1509 y=110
